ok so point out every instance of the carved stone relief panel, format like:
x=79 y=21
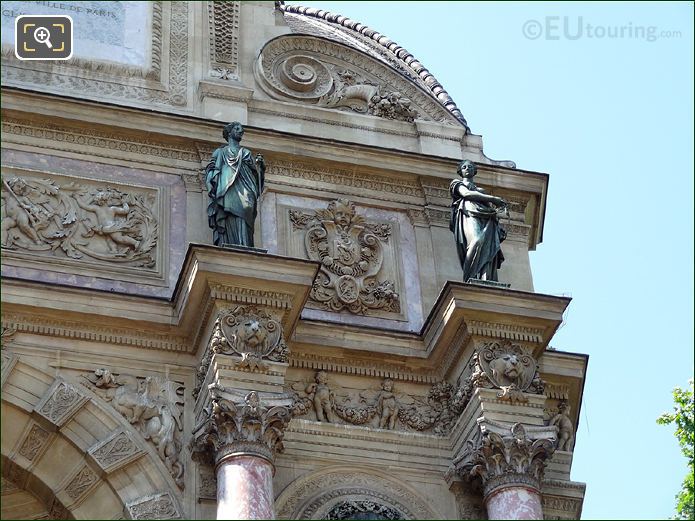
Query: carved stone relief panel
x=364 y=254
x=315 y=71
x=385 y=407
x=85 y=226
x=116 y=451
x=154 y=406
x=157 y=506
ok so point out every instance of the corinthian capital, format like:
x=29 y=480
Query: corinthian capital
x=503 y=456
x=232 y=424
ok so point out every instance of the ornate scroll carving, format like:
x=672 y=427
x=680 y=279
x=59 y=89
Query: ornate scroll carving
x=114 y=452
x=34 y=442
x=350 y=251
x=248 y=332
x=506 y=366
x=73 y=221
x=383 y=408
x=157 y=506
x=154 y=406
x=326 y=74
x=506 y=456
x=231 y=424
x=60 y=403
x=223 y=23
x=84 y=479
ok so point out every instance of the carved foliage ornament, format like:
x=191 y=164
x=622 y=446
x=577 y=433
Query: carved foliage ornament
x=69 y=220
x=506 y=366
x=157 y=506
x=350 y=251
x=232 y=426
x=327 y=74
x=153 y=405
x=500 y=459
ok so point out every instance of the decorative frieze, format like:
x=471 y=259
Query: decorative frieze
x=384 y=408
x=350 y=251
x=154 y=406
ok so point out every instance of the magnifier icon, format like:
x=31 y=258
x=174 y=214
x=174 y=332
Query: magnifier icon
x=42 y=35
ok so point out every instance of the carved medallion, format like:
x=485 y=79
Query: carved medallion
x=350 y=251
x=505 y=366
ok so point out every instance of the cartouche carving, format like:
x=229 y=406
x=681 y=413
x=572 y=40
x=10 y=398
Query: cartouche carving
x=73 y=221
x=350 y=251
x=248 y=332
x=505 y=366
x=153 y=406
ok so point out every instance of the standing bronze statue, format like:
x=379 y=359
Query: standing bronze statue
x=476 y=226
x=234 y=180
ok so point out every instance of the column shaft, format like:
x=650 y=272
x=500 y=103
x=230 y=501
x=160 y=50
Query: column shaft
x=514 y=503
x=245 y=488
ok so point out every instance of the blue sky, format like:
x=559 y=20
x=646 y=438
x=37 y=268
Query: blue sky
x=610 y=118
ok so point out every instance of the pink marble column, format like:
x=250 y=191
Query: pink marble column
x=245 y=488
x=514 y=502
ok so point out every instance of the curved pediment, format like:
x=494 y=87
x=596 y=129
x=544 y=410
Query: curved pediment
x=317 y=71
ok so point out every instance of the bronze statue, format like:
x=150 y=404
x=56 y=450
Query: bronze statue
x=234 y=180
x=476 y=227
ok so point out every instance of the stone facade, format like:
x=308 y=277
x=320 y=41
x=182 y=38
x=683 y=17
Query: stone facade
x=147 y=374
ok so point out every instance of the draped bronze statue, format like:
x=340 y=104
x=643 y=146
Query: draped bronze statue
x=476 y=227
x=234 y=180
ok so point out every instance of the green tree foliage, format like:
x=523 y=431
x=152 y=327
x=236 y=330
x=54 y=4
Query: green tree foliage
x=682 y=417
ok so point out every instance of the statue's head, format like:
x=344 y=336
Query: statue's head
x=234 y=130
x=19 y=186
x=387 y=385
x=101 y=198
x=342 y=213
x=467 y=169
x=564 y=408
x=321 y=377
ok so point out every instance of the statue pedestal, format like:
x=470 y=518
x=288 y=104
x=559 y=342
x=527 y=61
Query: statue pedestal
x=239 y=247
x=491 y=283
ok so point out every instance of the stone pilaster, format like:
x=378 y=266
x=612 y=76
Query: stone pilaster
x=240 y=434
x=510 y=463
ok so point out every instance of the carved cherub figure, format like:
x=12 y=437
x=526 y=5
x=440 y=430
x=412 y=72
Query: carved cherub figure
x=19 y=210
x=565 y=439
x=322 y=397
x=387 y=405
x=108 y=225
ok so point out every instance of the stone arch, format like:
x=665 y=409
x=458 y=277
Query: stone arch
x=62 y=441
x=314 y=495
